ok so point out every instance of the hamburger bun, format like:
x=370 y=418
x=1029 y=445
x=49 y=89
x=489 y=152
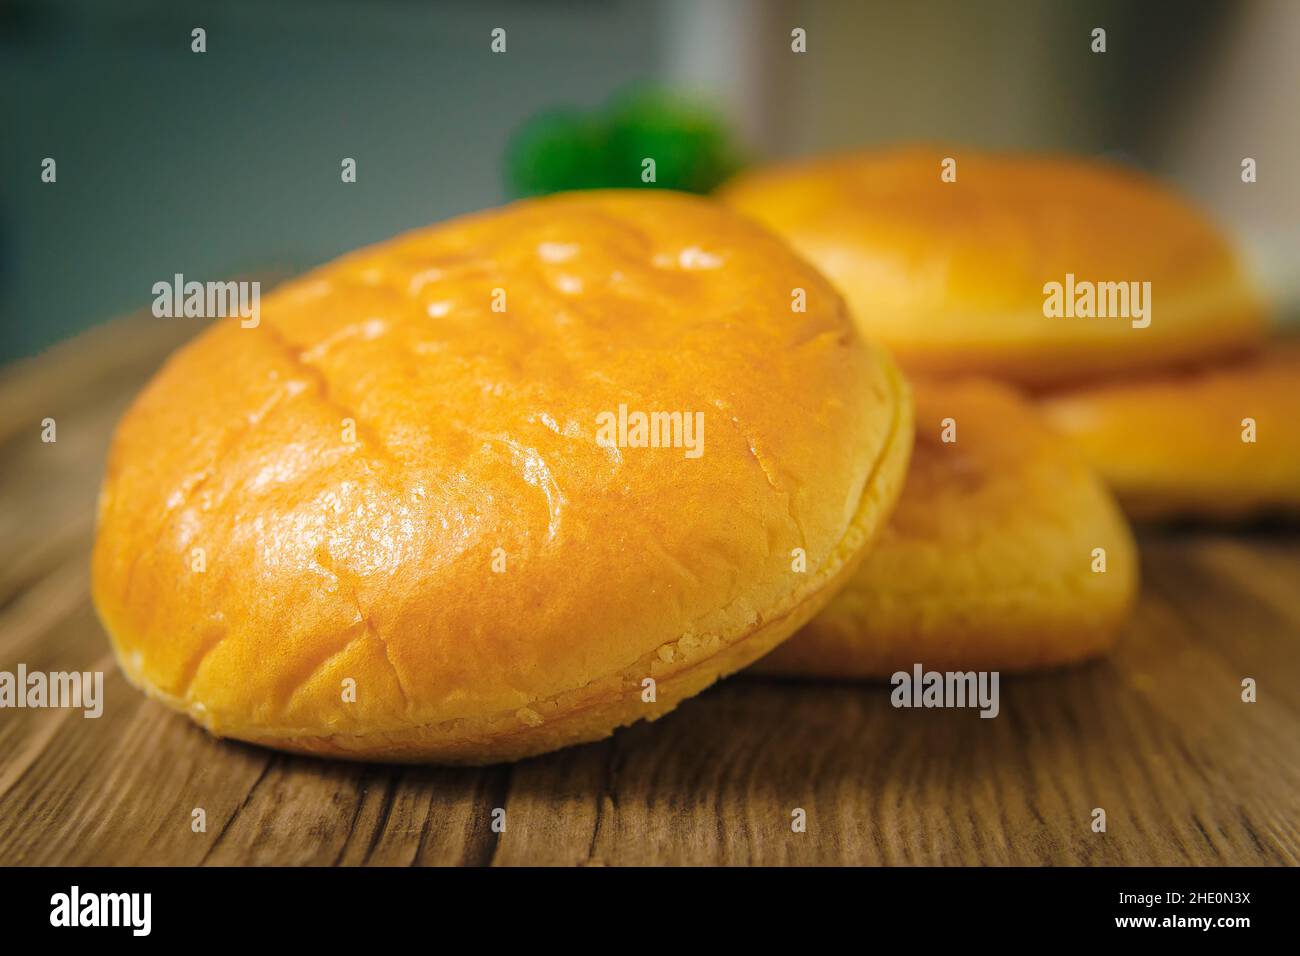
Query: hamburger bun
x=987 y=562
x=1220 y=442
x=955 y=276
x=392 y=522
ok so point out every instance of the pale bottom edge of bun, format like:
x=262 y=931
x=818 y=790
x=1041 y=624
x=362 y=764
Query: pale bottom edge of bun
x=1024 y=638
x=608 y=703
x=593 y=721
x=826 y=659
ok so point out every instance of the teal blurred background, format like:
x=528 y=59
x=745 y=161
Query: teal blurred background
x=227 y=163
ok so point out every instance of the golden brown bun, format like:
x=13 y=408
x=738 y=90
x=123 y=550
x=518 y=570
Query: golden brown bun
x=1171 y=445
x=987 y=561
x=950 y=275
x=476 y=431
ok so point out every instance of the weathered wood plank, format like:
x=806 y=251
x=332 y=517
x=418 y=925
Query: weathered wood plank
x=1157 y=735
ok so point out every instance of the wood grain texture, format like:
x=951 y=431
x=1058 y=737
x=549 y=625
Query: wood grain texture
x=1157 y=735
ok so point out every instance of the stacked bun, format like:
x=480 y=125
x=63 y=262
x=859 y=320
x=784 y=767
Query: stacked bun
x=992 y=560
x=1219 y=441
x=1092 y=288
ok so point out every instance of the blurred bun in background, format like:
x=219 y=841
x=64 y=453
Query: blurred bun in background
x=990 y=560
x=946 y=256
x=1221 y=441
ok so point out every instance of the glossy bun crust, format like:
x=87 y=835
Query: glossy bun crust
x=1171 y=445
x=950 y=275
x=494 y=581
x=986 y=563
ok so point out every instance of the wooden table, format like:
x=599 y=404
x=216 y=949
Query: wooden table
x=1157 y=735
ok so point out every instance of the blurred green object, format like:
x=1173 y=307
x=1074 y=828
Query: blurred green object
x=558 y=150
